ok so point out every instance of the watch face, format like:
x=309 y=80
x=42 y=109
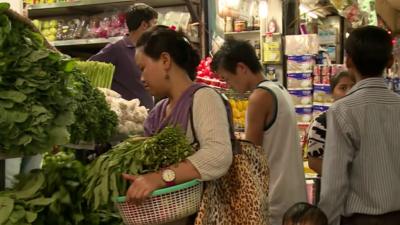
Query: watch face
x=168 y=175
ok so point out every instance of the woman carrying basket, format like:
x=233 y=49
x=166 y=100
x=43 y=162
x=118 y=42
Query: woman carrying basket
x=168 y=63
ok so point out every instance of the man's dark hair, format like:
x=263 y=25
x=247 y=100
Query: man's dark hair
x=137 y=14
x=161 y=39
x=303 y=213
x=370 y=49
x=233 y=52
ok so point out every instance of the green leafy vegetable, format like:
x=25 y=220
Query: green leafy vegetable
x=44 y=99
x=94 y=119
x=133 y=156
x=34 y=89
x=52 y=195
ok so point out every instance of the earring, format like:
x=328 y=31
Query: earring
x=167 y=76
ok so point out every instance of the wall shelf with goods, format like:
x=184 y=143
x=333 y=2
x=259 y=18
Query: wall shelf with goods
x=242 y=33
x=81 y=28
x=93 y=6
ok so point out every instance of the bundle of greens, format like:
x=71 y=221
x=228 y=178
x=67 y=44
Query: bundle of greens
x=100 y=74
x=44 y=99
x=94 y=119
x=36 y=104
x=51 y=196
x=133 y=156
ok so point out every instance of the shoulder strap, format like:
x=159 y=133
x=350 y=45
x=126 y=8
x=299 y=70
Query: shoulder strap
x=230 y=121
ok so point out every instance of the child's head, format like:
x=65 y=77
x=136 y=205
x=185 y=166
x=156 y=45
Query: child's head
x=341 y=84
x=160 y=52
x=235 y=61
x=304 y=214
x=369 y=51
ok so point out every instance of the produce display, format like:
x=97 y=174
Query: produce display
x=206 y=76
x=133 y=156
x=94 y=119
x=52 y=195
x=44 y=100
x=239 y=107
x=103 y=25
x=131 y=115
x=100 y=74
x=36 y=103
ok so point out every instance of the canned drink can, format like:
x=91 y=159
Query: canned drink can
x=325 y=71
x=325 y=79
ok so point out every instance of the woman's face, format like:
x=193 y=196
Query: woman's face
x=343 y=86
x=153 y=74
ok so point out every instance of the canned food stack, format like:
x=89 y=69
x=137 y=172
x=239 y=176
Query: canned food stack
x=300 y=87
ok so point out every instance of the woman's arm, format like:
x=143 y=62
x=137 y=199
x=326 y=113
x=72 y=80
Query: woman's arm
x=142 y=186
x=211 y=161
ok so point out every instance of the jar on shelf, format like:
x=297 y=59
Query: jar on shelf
x=228 y=24
x=256 y=22
x=240 y=25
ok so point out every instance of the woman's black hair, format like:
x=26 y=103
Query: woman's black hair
x=336 y=79
x=304 y=213
x=161 y=39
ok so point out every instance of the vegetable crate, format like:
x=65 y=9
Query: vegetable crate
x=166 y=205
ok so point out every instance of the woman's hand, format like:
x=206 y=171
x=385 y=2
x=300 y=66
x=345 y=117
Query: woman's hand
x=142 y=186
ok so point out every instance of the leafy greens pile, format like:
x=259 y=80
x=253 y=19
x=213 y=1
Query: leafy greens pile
x=36 y=105
x=133 y=156
x=44 y=100
x=94 y=119
x=52 y=195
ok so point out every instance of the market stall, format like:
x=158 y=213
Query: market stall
x=82 y=28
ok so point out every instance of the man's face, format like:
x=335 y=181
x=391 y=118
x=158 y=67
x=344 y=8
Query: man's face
x=234 y=80
x=150 y=23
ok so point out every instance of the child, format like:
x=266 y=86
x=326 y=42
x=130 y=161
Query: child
x=340 y=84
x=304 y=214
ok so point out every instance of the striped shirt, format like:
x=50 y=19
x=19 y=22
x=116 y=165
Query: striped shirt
x=361 y=169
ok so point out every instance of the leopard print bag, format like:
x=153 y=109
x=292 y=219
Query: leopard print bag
x=241 y=196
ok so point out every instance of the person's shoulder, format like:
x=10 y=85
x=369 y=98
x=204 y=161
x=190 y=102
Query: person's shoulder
x=110 y=47
x=262 y=95
x=206 y=92
x=345 y=103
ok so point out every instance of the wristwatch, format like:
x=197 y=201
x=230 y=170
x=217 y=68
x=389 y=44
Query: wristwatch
x=168 y=177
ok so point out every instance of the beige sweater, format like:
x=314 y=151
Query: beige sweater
x=214 y=157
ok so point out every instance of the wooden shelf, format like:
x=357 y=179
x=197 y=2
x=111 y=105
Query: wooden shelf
x=82 y=42
x=251 y=32
x=80 y=7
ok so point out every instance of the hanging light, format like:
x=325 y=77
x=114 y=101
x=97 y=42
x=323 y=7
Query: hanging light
x=263 y=9
x=306 y=10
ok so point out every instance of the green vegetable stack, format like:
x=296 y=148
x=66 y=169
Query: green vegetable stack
x=94 y=120
x=133 y=156
x=44 y=100
x=100 y=74
x=51 y=196
x=36 y=104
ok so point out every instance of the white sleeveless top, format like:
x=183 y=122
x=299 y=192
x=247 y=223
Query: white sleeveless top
x=281 y=143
